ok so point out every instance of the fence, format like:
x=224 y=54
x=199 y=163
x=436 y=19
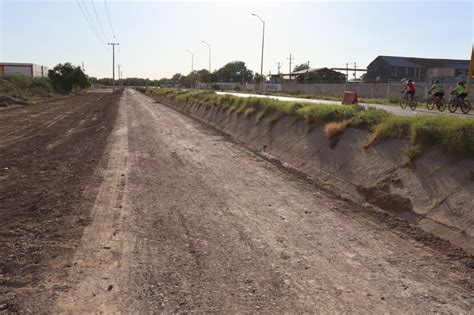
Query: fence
x=367 y=90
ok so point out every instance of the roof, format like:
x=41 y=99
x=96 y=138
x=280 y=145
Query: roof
x=424 y=62
x=16 y=64
x=304 y=71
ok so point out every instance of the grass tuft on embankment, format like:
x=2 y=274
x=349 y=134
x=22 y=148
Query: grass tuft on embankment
x=454 y=136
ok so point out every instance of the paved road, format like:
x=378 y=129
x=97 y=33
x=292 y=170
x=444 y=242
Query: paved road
x=391 y=109
x=185 y=221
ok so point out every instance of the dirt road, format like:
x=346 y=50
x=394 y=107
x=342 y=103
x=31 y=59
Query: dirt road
x=185 y=220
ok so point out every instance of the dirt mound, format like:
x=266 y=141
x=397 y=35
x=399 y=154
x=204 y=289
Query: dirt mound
x=6 y=101
x=377 y=195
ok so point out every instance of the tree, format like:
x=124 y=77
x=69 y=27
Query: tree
x=176 y=79
x=257 y=78
x=66 y=77
x=235 y=71
x=300 y=67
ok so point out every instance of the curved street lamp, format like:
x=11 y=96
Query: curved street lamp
x=192 y=59
x=263 y=45
x=209 y=46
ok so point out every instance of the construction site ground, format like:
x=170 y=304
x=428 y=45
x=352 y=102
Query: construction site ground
x=117 y=203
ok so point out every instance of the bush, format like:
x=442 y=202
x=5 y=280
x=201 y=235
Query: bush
x=66 y=78
x=22 y=87
x=333 y=129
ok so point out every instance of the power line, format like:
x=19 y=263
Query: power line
x=89 y=22
x=98 y=20
x=108 y=16
x=92 y=21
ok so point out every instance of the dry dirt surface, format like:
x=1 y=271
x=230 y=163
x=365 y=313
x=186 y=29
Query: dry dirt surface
x=186 y=221
x=48 y=155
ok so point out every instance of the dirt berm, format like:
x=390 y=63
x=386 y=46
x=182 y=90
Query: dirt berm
x=434 y=192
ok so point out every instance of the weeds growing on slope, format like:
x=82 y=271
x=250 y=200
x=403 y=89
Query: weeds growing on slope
x=453 y=135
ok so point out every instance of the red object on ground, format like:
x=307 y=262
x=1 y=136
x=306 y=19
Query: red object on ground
x=350 y=98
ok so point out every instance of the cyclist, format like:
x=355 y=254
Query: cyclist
x=460 y=91
x=409 y=89
x=438 y=90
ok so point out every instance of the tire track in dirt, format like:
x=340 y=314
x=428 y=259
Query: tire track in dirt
x=42 y=208
x=106 y=247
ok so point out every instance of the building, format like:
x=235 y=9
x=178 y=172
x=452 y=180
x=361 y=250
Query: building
x=313 y=75
x=387 y=68
x=27 y=69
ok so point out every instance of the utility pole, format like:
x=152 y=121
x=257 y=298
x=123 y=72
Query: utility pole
x=118 y=73
x=355 y=71
x=192 y=59
x=290 y=59
x=347 y=72
x=263 y=45
x=121 y=78
x=308 y=64
x=113 y=64
x=278 y=66
x=209 y=46
x=83 y=69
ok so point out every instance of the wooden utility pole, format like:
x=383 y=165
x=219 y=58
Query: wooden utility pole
x=113 y=64
x=118 y=73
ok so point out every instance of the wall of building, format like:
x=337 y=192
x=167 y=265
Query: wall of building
x=29 y=70
x=22 y=70
x=40 y=71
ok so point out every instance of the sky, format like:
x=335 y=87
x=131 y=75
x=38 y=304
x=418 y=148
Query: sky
x=154 y=35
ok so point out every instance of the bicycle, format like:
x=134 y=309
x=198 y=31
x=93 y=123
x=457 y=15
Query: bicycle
x=407 y=101
x=456 y=102
x=438 y=101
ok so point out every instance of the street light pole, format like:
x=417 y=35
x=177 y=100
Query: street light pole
x=192 y=59
x=263 y=46
x=209 y=46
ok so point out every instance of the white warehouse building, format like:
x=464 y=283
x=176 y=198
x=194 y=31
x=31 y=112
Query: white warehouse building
x=27 y=69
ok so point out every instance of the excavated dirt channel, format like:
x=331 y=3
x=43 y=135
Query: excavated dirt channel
x=183 y=220
x=186 y=221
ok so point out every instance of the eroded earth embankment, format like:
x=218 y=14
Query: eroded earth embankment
x=433 y=192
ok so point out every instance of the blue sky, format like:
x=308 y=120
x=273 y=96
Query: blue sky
x=154 y=35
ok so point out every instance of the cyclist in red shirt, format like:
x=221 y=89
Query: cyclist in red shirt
x=409 y=89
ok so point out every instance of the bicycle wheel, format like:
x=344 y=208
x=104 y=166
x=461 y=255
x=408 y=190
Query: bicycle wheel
x=430 y=104
x=403 y=102
x=412 y=104
x=466 y=107
x=441 y=105
x=453 y=105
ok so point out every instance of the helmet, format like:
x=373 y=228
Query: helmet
x=461 y=82
x=436 y=81
x=410 y=81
